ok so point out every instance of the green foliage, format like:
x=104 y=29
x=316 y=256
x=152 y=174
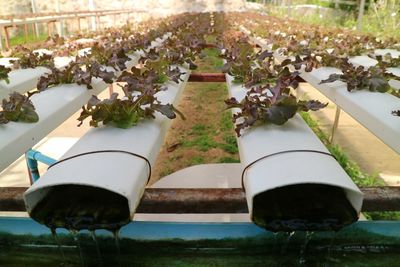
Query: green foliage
x=226 y=123
x=270 y=104
x=81 y=71
x=202 y=143
x=30 y=59
x=196 y=160
x=230 y=144
x=378 y=19
x=385 y=216
x=358 y=78
x=20 y=39
x=351 y=168
x=124 y=113
x=4 y=73
x=228 y=160
x=18 y=109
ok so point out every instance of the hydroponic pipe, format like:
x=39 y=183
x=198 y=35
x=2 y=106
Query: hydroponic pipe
x=290 y=179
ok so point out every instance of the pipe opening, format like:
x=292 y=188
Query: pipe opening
x=78 y=207
x=303 y=207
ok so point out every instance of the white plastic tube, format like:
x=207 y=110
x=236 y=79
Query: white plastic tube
x=288 y=168
x=120 y=173
x=371 y=109
x=24 y=80
x=53 y=107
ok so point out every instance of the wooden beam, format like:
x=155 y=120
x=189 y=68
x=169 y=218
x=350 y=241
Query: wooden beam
x=207 y=77
x=230 y=200
x=7 y=37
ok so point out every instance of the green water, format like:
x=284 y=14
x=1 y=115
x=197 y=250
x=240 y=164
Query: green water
x=77 y=207
x=192 y=256
x=351 y=248
x=303 y=207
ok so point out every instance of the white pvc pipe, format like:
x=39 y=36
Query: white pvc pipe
x=289 y=168
x=53 y=106
x=371 y=109
x=24 y=80
x=21 y=80
x=120 y=173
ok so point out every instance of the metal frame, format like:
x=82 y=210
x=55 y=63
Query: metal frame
x=335 y=124
x=34 y=19
x=209 y=200
x=207 y=77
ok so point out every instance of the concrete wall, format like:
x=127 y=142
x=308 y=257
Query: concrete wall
x=8 y=7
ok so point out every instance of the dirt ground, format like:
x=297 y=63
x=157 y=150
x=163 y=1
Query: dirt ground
x=206 y=136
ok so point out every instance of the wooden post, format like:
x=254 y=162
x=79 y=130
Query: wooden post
x=79 y=24
x=50 y=27
x=335 y=125
x=26 y=32
x=111 y=89
x=7 y=37
x=1 y=41
x=360 y=15
x=36 y=31
x=98 y=22
x=34 y=26
x=60 y=23
x=289 y=8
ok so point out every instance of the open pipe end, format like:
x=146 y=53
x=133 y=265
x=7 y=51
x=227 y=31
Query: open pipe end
x=78 y=207
x=303 y=207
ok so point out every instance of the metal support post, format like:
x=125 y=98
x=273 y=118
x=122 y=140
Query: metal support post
x=111 y=89
x=335 y=124
x=60 y=24
x=360 y=15
x=7 y=37
x=33 y=4
x=26 y=32
x=1 y=41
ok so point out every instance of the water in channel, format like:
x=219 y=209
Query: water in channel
x=303 y=207
x=76 y=208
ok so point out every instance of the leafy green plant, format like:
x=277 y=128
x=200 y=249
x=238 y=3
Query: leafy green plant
x=359 y=78
x=18 y=108
x=74 y=73
x=125 y=112
x=386 y=61
x=29 y=59
x=109 y=55
x=270 y=104
x=4 y=73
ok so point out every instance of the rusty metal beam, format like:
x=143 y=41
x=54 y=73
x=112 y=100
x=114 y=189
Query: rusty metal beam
x=232 y=200
x=209 y=45
x=166 y=200
x=381 y=198
x=207 y=77
x=11 y=198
